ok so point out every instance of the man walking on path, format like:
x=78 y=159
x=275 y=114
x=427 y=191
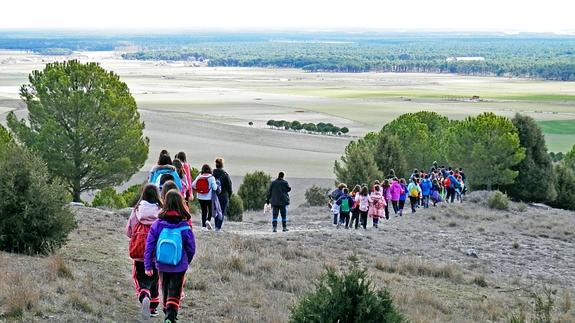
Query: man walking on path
x=278 y=197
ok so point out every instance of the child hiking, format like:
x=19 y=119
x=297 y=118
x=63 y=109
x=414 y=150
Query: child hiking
x=170 y=247
x=402 y=196
x=362 y=201
x=377 y=205
x=333 y=197
x=395 y=191
x=414 y=192
x=189 y=194
x=144 y=214
x=386 y=192
x=345 y=203
x=355 y=207
x=205 y=185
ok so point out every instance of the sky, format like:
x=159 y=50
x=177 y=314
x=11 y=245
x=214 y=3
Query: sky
x=234 y=15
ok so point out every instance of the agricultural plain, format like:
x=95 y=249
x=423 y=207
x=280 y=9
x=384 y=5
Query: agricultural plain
x=205 y=111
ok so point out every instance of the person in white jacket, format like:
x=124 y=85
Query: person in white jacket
x=144 y=214
x=205 y=185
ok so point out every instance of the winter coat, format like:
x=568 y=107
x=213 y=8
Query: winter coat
x=278 y=193
x=376 y=198
x=412 y=186
x=212 y=183
x=362 y=202
x=425 y=187
x=403 y=195
x=387 y=193
x=395 y=190
x=145 y=213
x=225 y=181
x=453 y=183
x=188 y=241
x=350 y=201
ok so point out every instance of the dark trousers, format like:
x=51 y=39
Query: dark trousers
x=344 y=218
x=146 y=286
x=206 y=206
x=425 y=201
x=413 y=201
x=363 y=216
x=224 y=199
x=395 y=206
x=450 y=194
x=172 y=286
x=354 y=218
x=277 y=210
x=400 y=206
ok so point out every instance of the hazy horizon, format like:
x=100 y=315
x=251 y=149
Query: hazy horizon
x=552 y=16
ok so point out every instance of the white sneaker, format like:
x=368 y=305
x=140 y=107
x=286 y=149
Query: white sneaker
x=205 y=229
x=208 y=225
x=145 y=309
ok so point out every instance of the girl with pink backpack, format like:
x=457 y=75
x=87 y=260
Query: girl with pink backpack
x=376 y=205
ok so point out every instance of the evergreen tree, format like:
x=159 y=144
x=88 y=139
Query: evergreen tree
x=569 y=159
x=5 y=136
x=389 y=155
x=535 y=182
x=565 y=187
x=84 y=123
x=488 y=147
x=357 y=165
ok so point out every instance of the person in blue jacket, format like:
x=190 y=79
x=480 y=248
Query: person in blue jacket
x=345 y=203
x=426 y=190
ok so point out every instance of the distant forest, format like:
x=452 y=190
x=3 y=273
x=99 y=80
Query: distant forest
x=539 y=56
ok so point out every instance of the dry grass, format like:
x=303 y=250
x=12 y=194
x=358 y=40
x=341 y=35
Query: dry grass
x=57 y=268
x=18 y=294
x=420 y=267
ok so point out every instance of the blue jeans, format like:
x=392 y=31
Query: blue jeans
x=224 y=199
x=425 y=200
x=277 y=210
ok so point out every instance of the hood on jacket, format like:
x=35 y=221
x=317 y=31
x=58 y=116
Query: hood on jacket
x=146 y=212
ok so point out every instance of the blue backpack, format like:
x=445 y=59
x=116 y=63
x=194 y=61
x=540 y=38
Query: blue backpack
x=170 y=245
x=157 y=175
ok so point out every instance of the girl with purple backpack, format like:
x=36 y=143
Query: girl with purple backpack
x=172 y=220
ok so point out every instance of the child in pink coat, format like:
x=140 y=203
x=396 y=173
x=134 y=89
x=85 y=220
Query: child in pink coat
x=395 y=191
x=376 y=205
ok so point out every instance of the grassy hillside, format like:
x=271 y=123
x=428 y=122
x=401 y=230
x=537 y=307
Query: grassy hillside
x=248 y=274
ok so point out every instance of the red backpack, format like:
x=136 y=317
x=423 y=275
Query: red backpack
x=138 y=241
x=203 y=185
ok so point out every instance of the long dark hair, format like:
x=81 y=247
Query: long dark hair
x=364 y=191
x=164 y=159
x=206 y=169
x=181 y=156
x=179 y=167
x=174 y=202
x=168 y=186
x=151 y=195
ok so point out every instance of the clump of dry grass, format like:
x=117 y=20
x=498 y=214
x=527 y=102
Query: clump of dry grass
x=420 y=267
x=57 y=267
x=80 y=303
x=19 y=294
x=480 y=281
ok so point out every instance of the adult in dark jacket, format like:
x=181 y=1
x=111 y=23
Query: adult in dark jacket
x=278 y=197
x=226 y=185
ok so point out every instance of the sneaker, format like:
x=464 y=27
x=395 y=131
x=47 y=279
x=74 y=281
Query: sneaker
x=209 y=225
x=169 y=321
x=285 y=230
x=154 y=312
x=145 y=309
x=205 y=229
x=275 y=230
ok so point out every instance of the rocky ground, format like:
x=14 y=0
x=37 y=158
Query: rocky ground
x=454 y=263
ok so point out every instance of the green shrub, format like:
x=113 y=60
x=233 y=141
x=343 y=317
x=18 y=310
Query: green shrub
x=132 y=194
x=348 y=297
x=498 y=201
x=235 y=209
x=253 y=190
x=109 y=198
x=34 y=217
x=316 y=196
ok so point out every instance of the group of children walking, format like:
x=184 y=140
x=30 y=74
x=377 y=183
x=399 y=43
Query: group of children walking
x=352 y=208
x=162 y=242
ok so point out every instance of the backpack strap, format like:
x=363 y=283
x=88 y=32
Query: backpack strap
x=184 y=228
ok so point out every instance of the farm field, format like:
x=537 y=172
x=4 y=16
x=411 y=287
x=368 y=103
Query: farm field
x=205 y=111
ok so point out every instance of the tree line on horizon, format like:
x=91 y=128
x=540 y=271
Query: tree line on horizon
x=550 y=59
x=320 y=127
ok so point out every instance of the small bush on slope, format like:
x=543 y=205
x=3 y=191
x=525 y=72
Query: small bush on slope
x=346 y=298
x=34 y=217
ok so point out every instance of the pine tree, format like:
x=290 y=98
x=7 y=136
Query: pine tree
x=389 y=155
x=565 y=187
x=535 y=182
x=357 y=165
x=84 y=123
